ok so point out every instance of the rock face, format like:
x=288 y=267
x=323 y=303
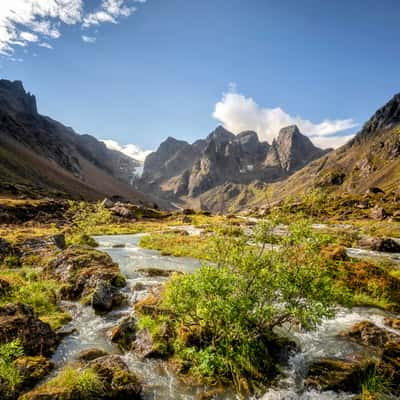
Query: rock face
x=86 y=272
x=380 y=244
x=19 y=321
x=41 y=157
x=179 y=169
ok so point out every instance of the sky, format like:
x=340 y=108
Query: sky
x=134 y=72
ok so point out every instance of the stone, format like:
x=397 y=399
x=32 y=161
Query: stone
x=338 y=375
x=17 y=321
x=107 y=203
x=378 y=213
x=122 y=211
x=368 y=334
x=102 y=298
x=124 y=333
x=386 y=245
x=146 y=347
x=374 y=190
x=6 y=248
x=392 y=322
x=119 y=382
x=90 y=354
x=33 y=369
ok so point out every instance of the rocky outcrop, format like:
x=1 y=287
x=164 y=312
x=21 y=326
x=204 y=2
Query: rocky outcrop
x=179 y=169
x=87 y=273
x=386 y=245
x=18 y=321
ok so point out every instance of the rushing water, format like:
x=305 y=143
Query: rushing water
x=90 y=330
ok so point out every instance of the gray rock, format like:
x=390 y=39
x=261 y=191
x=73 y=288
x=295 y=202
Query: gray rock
x=386 y=245
x=102 y=298
x=378 y=213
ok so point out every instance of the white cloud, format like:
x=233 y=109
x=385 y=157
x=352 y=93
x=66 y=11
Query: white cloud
x=130 y=150
x=327 y=142
x=89 y=39
x=239 y=113
x=46 y=45
x=26 y=22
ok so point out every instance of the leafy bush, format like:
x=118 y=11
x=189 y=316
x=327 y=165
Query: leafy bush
x=10 y=377
x=85 y=218
x=233 y=307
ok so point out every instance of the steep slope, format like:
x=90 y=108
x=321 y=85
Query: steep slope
x=40 y=156
x=196 y=173
x=371 y=158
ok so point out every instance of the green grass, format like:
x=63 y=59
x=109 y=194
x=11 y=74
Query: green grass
x=28 y=287
x=10 y=377
x=178 y=245
x=73 y=383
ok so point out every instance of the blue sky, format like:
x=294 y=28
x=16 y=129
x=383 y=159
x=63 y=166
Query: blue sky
x=180 y=67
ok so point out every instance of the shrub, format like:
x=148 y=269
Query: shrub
x=237 y=303
x=10 y=377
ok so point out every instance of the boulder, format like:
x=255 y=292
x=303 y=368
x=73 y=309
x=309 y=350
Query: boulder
x=386 y=245
x=368 y=334
x=5 y=249
x=378 y=213
x=119 y=382
x=146 y=347
x=32 y=370
x=107 y=203
x=392 y=322
x=122 y=211
x=4 y=286
x=17 y=321
x=338 y=375
x=374 y=190
x=90 y=354
x=102 y=298
x=124 y=333
x=80 y=269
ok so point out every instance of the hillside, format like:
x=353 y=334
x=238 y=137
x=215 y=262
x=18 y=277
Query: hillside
x=370 y=159
x=41 y=157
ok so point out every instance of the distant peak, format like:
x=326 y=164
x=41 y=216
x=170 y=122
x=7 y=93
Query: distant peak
x=14 y=97
x=289 y=130
x=220 y=135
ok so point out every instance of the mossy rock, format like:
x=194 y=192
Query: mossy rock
x=33 y=369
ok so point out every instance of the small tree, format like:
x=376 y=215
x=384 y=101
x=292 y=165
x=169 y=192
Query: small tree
x=85 y=218
x=237 y=303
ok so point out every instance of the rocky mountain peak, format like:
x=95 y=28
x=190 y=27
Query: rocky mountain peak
x=220 y=135
x=14 y=99
x=385 y=118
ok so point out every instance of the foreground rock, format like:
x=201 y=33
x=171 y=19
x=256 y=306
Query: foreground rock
x=124 y=333
x=368 y=334
x=17 y=321
x=338 y=375
x=116 y=382
x=386 y=245
x=32 y=370
x=87 y=273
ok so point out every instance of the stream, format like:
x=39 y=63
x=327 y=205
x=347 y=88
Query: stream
x=91 y=331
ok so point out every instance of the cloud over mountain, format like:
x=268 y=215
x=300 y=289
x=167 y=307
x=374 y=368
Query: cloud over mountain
x=239 y=113
x=130 y=150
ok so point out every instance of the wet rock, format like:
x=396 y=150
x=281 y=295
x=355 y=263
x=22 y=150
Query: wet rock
x=368 y=334
x=386 y=245
x=91 y=354
x=187 y=220
x=378 y=213
x=32 y=370
x=4 y=286
x=122 y=211
x=146 y=347
x=124 y=333
x=374 y=190
x=151 y=272
x=6 y=249
x=102 y=298
x=107 y=203
x=392 y=322
x=150 y=305
x=119 y=382
x=19 y=321
x=81 y=269
x=338 y=375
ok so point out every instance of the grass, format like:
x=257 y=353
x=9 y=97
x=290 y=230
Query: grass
x=178 y=245
x=73 y=383
x=28 y=287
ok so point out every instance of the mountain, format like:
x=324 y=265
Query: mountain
x=41 y=157
x=370 y=159
x=192 y=173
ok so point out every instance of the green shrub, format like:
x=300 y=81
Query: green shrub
x=237 y=303
x=10 y=377
x=11 y=261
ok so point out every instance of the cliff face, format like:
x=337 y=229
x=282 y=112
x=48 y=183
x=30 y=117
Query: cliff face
x=181 y=171
x=40 y=156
